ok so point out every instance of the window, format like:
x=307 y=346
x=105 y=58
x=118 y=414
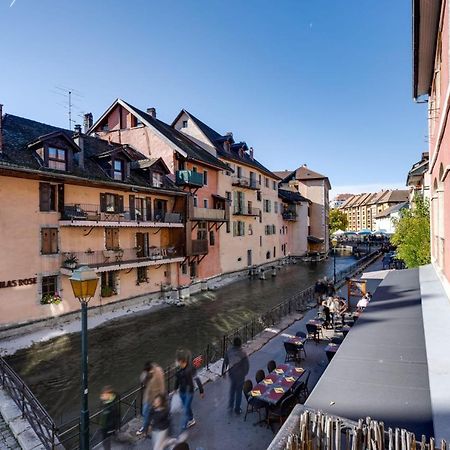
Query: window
x=57 y=158
x=47 y=197
x=49 y=285
x=205 y=203
x=49 y=241
x=118 y=166
x=111 y=238
x=238 y=228
x=267 y=206
x=275 y=207
x=194 y=169
x=142 y=275
x=212 y=238
x=274 y=187
x=108 y=284
x=250 y=229
x=268 y=255
x=228 y=227
x=205 y=177
x=185 y=123
x=274 y=252
x=193 y=270
x=260 y=241
x=258 y=196
x=266 y=182
x=202 y=233
x=239 y=172
x=184 y=269
x=111 y=203
x=195 y=201
x=228 y=196
x=259 y=178
x=157 y=179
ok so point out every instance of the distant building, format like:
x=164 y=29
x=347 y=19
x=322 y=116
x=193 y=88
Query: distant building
x=339 y=200
x=315 y=187
x=363 y=209
x=419 y=178
x=385 y=220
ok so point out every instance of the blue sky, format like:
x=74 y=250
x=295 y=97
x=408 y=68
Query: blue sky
x=321 y=82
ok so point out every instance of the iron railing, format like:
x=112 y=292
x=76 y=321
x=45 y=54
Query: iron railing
x=289 y=215
x=95 y=213
x=66 y=436
x=245 y=182
x=189 y=177
x=245 y=210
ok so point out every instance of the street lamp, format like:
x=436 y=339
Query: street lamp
x=334 y=242
x=84 y=282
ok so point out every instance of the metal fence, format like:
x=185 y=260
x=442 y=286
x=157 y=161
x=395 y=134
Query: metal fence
x=129 y=404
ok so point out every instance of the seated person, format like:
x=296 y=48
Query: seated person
x=363 y=302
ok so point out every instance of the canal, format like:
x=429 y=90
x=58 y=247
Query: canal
x=119 y=348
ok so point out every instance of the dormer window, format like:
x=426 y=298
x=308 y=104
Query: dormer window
x=157 y=179
x=118 y=169
x=57 y=158
x=185 y=124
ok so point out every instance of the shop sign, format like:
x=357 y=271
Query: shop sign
x=19 y=282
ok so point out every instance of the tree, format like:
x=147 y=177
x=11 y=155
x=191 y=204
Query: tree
x=338 y=220
x=412 y=234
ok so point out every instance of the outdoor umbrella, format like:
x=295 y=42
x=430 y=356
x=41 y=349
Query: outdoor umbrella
x=365 y=232
x=338 y=233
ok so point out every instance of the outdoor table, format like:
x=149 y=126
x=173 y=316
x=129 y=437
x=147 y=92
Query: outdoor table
x=298 y=341
x=330 y=350
x=277 y=383
x=316 y=322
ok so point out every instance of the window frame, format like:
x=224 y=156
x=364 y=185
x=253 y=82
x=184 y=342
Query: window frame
x=56 y=159
x=52 y=245
x=45 y=283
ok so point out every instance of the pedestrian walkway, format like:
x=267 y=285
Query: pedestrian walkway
x=7 y=440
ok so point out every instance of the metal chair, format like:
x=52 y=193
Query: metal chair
x=282 y=411
x=271 y=366
x=260 y=375
x=304 y=391
x=253 y=404
x=301 y=334
x=291 y=352
x=313 y=332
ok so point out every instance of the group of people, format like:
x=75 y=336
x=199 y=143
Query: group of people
x=333 y=307
x=156 y=410
x=322 y=289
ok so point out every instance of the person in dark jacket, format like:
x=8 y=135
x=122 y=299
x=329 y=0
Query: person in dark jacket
x=184 y=383
x=109 y=419
x=236 y=361
x=159 y=418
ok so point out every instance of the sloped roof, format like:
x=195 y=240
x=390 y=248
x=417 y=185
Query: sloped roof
x=347 y=203
x=19 y=132
x=392 y=209
x=377 y=197
x=303 y=173
x=283 y=173
x=234 y=154
x=396 y=196
x=291 y=197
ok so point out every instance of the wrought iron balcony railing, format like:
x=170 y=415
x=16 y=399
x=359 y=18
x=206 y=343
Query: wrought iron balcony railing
x=289 y=215
x=245 y=210
x=245 y=182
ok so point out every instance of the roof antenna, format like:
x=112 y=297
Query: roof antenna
x=68 y=93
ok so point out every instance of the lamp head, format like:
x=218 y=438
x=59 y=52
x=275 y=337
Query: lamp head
x=84 y=282
x=334 y=241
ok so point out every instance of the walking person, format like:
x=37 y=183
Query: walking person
x=109 y=419
x=236 y=361
x=152 y=378
x=184 y=383
x=159 y=422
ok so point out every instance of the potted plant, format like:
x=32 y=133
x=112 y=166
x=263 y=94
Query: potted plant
x=51 y=299
x=107 y=291
x=71 y=261
x=118 y=251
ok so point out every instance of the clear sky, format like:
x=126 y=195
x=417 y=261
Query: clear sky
x=321 y=82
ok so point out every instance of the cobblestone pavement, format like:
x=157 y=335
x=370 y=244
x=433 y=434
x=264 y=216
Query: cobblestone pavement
x=7 y=440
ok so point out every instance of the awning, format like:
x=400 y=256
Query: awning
x=315 y=240
x=219 y=197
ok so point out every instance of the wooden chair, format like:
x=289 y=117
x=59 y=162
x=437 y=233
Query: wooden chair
x=280 y=413
x=271 y=366
x=304 y=391
x=260 y=375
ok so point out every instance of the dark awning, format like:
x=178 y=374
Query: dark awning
x=219 y=197
x=315 y=240
x=426 y=14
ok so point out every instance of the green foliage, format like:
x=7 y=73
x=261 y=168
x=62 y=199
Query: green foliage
x=412 y=234
x=338 y=220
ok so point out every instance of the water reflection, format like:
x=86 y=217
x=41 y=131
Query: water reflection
x=118 y=349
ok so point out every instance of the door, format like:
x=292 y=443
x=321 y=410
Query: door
x=142 y=245
x=249 y=258
x=160 y=209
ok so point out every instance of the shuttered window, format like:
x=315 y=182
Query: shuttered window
x=49 y=241
x=47 y=197
x=49 y=285
x=111 y=238
x=212 y=238
x=111 y=203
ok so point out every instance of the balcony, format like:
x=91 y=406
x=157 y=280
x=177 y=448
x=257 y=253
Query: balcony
x=104 y=260
x=244 y=182
x=209 y=214
x=244 y=210
x=77 y=214
x=197 y=247
x=189 y=178
x=289 y=215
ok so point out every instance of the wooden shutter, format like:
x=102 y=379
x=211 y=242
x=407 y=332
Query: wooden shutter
x=45 y=241
x=61 y=198
x=140 y=244
x=54 y=240
x=109 y=239
x=148 y=208
x=103 y=202
x=119 y=203
x=44 y=197
x=132 y=203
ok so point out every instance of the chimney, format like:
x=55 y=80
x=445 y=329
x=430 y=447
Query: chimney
x=230 y=134
x=151 y=112
x=77 y=128
x=1 y=128
x=88 y=121
x=79 y=140
x=251 y=152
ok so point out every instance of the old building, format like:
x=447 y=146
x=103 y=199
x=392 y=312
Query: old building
x=70 y=200
x=339 y=200
x=197 y=171
x=418 y=179
x=315 y=187
x=258 y=230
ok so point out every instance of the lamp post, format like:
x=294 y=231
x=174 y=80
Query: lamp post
x=84 y=282
x=334 y=244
